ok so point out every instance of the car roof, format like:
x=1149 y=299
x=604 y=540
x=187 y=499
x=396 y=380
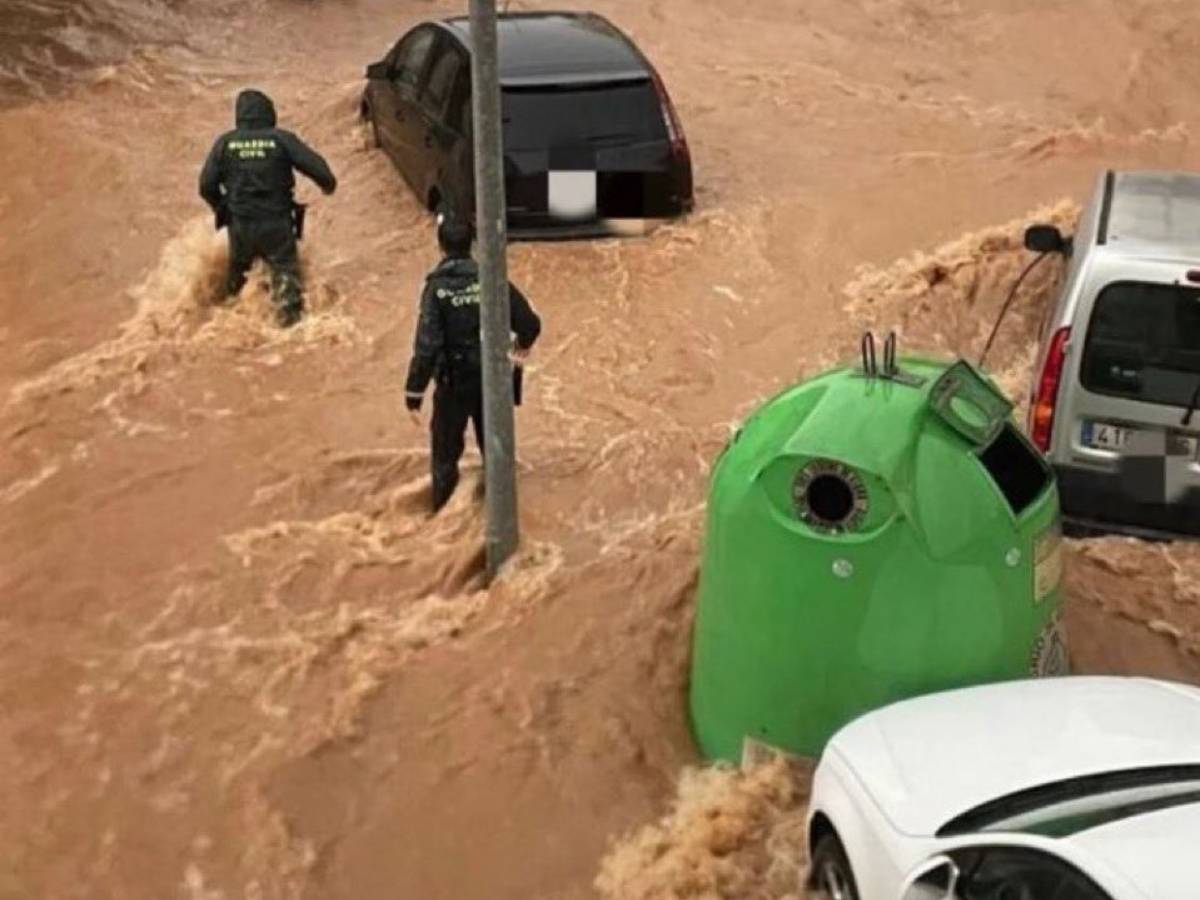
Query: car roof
x=1154 y=214
x=558 y=47
x=931 y=759
x=1155 y=850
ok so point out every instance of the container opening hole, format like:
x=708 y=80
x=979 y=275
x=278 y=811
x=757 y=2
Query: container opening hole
x=1017 y=470
x=830 y=499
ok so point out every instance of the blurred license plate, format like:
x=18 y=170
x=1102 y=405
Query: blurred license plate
x=1107 y=437
x=1047 y=562
x=572 y=195
x=1116 y=437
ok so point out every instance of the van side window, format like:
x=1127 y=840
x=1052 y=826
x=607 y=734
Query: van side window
x=414 y=51
x=393 y=57
x=463 y=121
x=441 y=82
x=458 y=113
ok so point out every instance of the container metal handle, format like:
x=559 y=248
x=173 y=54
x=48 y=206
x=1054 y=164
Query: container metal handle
x=870 y=365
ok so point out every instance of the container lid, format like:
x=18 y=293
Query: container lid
x=966 y=401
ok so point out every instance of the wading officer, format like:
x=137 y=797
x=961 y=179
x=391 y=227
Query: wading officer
x=248 y=181
x=447 y=348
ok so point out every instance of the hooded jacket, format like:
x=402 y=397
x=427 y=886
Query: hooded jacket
x=249 y=170
x=447 y=344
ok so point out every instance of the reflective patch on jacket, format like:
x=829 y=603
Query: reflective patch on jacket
x=465 y=296
x=252 y=148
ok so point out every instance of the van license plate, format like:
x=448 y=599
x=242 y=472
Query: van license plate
x=1106 y=437
x=1114 y=437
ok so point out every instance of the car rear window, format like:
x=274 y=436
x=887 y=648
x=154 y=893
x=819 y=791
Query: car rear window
x=1143 y=343
x=587 y=115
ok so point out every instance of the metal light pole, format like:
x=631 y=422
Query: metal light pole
x=495 y=330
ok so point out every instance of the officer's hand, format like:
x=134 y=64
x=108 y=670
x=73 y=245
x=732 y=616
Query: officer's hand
x=414 y=416
x=519 y=356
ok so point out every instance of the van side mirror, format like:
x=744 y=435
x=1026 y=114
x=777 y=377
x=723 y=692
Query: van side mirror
x=379 y=70
x=1045 y=239
x=934 y=879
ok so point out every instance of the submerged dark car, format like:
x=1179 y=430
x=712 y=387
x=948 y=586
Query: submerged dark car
x=591 y=138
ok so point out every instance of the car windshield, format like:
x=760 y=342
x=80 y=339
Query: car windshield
x=1068 y=807
x=1144 y=343
x=555 y=116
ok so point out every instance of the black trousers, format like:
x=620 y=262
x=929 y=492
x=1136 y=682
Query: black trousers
x=271 y=239
x=452 y=410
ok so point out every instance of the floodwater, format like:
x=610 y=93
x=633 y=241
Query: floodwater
x=237 y=660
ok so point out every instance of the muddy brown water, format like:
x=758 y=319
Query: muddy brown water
x=236 y=658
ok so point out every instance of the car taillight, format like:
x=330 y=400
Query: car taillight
x=1041 y=414
x=680 y=151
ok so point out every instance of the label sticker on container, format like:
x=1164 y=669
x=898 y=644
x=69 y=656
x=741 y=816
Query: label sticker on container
x=1051 y=658
x=572 y=195
x=1047 y=563
x=759 y=753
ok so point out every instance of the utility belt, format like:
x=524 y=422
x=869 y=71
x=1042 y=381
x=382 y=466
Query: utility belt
x=297 y=215
x=462 y=371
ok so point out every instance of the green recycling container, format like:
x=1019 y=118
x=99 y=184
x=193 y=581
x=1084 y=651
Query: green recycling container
x=870 y=537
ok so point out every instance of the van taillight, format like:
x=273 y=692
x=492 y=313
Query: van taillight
x=680 y=151
x=1041 y=414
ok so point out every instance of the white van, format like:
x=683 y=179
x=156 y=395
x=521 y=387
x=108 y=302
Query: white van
x=1117 y=380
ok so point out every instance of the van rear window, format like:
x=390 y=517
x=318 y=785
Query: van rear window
x=1143 y=343
x=581 y=115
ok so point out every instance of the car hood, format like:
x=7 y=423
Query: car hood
x=930 y=759
x=1155 y=851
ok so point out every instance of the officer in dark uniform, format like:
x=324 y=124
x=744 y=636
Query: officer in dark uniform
x=248 y=181
x=447 y=349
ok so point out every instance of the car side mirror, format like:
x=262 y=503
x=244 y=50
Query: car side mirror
x=1045 y=239
x=379 y=70
x=934 y=879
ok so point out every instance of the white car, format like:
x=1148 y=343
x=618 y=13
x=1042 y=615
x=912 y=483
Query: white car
x=1078 y=788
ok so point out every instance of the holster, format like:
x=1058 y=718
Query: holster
x=222 y=216
x=299 y=211
x=450 y=380
x=442 y=374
